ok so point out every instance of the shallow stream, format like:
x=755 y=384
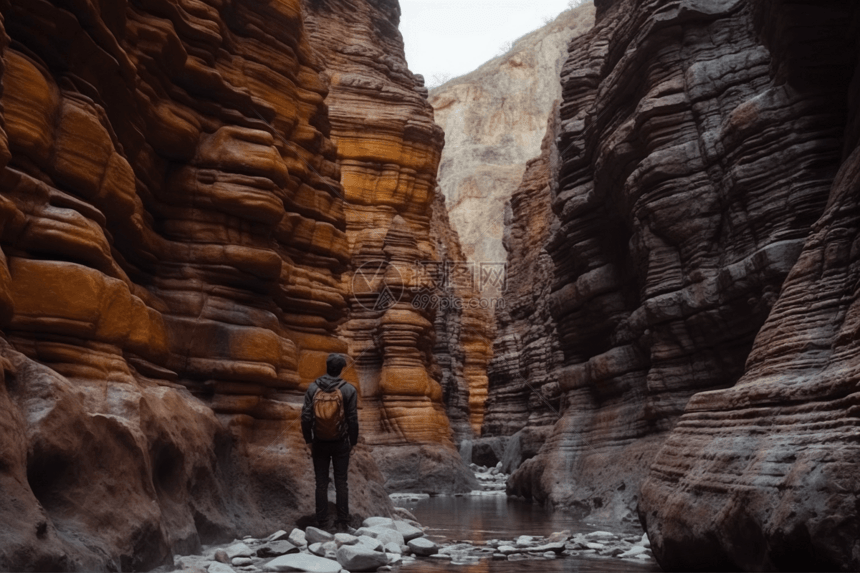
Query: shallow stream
x=481 y=518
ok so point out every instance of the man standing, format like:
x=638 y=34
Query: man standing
x=330 y=427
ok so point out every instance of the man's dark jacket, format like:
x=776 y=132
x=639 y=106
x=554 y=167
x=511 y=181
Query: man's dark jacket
x=350 y=406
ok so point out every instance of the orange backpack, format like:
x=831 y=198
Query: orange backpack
x=329 y=417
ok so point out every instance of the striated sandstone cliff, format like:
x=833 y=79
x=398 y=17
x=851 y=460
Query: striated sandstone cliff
x=176 y=246
x=388 y=148
x=763 y=476
x=464 y=331
x=523 y=386
x=695 y=161
x=494 y=120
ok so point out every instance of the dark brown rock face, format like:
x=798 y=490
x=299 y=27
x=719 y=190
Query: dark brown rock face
x=699 y=146
x=464 y=331
x=524 y=390
x=763 y=476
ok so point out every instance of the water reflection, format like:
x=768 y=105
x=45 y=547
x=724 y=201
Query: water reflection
x=482 y=518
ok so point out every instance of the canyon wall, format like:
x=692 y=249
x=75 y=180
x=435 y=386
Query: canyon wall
x=763 y=476
x=523 y=386
x=464 y=331
x=494 y=120
x=388 y=148
x=177 y=262
x=699 y=144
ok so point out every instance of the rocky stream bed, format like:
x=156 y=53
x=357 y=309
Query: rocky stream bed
x=394 y=543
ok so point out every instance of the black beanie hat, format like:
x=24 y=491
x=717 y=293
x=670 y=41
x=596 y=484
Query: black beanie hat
x=334 y=364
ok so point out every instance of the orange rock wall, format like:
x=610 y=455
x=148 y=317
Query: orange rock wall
x=174 y=242
x=388 y=148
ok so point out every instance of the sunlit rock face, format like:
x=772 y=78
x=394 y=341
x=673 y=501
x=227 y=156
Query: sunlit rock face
x=388 y=148
x=763 y=476
x=174 y=239
x=699 y=145
x=523 y=383
x=494 y=120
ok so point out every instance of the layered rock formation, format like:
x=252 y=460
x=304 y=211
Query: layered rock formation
x=494 y=120
x=388 y=148
x=763 y=476
x=699 y=145
x=464 y=330
x=175 y=241
x=523 y=383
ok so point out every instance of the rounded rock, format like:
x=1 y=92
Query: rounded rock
x=422 y=546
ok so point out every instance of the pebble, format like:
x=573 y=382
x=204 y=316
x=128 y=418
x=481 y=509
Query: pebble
x=378 y=521
x=315 y=535
x=371 y=543
x=221 y=556
x=633 y=552
x=297 y=537
x=303 y=562
x=276 y=549
x=360 y=558
x=239 y=550
x=242 y=561
x=599 y=534
x=393 y=548
x=345 y=539
x=422 y=546
x=409 y=532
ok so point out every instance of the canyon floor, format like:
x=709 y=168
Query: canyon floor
x=403 y=544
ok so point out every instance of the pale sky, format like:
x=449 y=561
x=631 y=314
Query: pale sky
x=456 y=36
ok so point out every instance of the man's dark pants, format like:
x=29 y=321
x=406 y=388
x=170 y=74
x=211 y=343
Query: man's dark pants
x=336 y=453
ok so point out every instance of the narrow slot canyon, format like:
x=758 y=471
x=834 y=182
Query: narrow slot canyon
x=596 y=297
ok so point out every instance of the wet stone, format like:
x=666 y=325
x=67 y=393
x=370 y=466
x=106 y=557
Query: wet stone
x=276 y=549
x=393 y=548
x=370 y=542
x=378 y=521
x=559 y=537
x=239 y=550
x=345 y=539
x=298 y=538
x=303 y=562
x=360 y=558
x=409 y=532
x=315 y=535
x=423 y=546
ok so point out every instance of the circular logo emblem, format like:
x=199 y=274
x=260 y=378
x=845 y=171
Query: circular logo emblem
x=377 y=285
